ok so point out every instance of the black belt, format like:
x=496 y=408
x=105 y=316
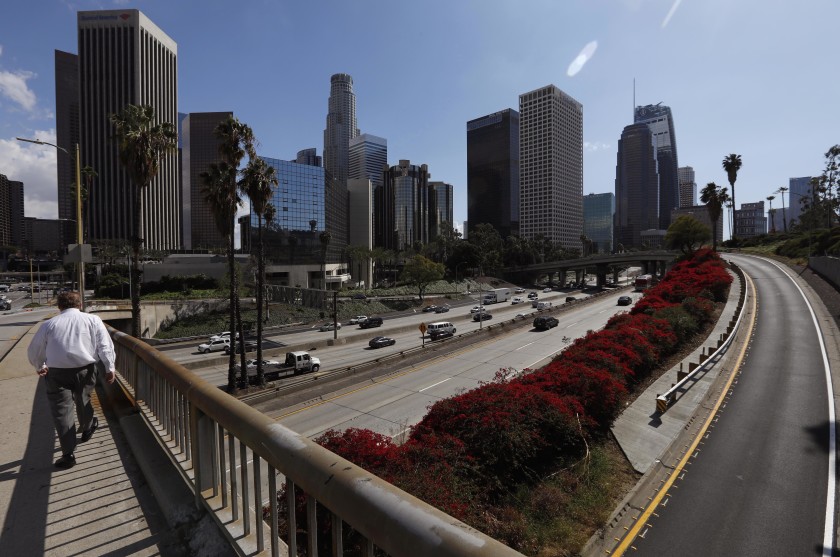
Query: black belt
x=88 y=367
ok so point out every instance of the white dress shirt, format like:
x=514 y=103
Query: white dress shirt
x=72 y=339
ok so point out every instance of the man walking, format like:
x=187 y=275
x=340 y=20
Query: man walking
x=64 y=352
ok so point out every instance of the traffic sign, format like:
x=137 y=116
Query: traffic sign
x=422 y=328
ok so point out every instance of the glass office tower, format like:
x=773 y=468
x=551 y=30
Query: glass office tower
x=661 y=123
x=493 y=171
x=341 y=127
x=441 y=211
x=598 y=211
x=402 y=207
x=636 y=187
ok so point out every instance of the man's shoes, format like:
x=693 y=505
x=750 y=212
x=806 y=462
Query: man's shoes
x=66 y=461
x=86 y=435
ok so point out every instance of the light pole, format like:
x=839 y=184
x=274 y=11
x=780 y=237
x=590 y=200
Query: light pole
x=79 y=234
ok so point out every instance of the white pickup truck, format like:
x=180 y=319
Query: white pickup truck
x=295 y=363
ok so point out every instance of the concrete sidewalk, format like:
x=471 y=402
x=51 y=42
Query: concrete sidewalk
x=102 y=506
x=645 y=434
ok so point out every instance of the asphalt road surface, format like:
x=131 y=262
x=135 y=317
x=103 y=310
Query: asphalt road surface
x=759 y=483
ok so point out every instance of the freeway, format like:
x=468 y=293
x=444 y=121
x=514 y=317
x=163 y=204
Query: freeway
x=392 y=403
x=762 y=482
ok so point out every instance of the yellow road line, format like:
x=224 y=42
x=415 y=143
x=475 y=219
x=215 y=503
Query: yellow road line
x=643 y=518
x=420 y=367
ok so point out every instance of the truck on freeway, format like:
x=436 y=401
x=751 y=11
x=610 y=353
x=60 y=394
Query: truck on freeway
x=497 y=295
x=295 y=363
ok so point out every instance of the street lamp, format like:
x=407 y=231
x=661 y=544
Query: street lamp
x=79 y=234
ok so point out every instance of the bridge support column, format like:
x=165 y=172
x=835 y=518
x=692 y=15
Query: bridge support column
x=615 y=275
x=600 y=275
x=578 y=276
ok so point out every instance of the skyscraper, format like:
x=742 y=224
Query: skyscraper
x=200 y=149
x=341 y=127
x=66 y=129
x=688 y=187
x=493 y=171
x=402 y=207
x=636 y=186
x=308 y=156
x=750 y=220
x=441 y=211
x=598 y=213
x=12 y=229
x=661 y=123
x=368 y=156
x=125 y=59
x=551 y=166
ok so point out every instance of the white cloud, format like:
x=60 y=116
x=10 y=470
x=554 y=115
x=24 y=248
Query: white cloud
x=594 y=146
x=34 y=165
x=13 y=86
x=581 y=59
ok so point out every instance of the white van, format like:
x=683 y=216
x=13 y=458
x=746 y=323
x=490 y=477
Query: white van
x=543 y=305
x=440 y=329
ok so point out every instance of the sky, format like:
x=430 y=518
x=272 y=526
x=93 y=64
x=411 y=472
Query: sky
x=754 y=77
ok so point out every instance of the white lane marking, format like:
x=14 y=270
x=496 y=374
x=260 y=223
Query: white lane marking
x=573 y=324
x=435 y=385
x=828 y=531
x=521 y=347
x=400 y=433
x=602 y=311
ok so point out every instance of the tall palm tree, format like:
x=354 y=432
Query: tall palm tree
x=142 y=143
x=732 y=164
x=772 y=213
x=257 y=181
x=714 y=198
x=223 y=205
x=782 y=191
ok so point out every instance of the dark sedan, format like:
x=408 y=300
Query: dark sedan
x=379 y=342
x=625 y=300
x=483 y=316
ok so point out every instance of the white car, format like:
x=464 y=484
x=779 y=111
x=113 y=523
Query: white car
x=516 y=300
x=358 y=319
x=329 y=326
x=520 y=291
x=477 y=309
x=547 y=289
x=214 y=345
x=222 y=335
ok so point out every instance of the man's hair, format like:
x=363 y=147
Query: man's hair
x=67 y=300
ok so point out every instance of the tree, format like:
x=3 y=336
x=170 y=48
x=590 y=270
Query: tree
x=257 y=181
x=732 y=164
x=686 y=234
x=359 y=255
x=714 y=198
x=782 y=191
x=489 y=242
x=772 y=213
x=141 y=143
x=420 y=272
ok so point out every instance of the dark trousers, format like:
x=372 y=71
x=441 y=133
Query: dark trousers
x=68 y=387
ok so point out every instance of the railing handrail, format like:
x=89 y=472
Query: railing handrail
x=392 y=519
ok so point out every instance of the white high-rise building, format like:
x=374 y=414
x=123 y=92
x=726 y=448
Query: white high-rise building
x=341 y=127
x=688 y=187
x=551 y=166
x=125 y=59
x=368 y=157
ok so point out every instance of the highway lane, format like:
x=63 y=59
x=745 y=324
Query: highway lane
x=393 y=403
x=759 y=483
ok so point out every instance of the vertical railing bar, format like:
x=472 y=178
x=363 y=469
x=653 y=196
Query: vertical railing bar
x=292 y=517
x=214 y=460
x=188 y=432
x=337 y=541
x=234 y=495
x=272 y=493
x=367 y=548
x=258 y=519
x=243 y=468
x=194 y=417
x=223 y=467
x=311 y=527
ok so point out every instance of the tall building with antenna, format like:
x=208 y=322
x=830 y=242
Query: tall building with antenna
x=661 y=123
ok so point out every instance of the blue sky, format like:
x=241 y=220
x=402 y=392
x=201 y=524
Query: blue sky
x=758 y=78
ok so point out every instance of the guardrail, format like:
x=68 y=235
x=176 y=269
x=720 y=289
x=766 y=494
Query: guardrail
x=219 y=445
x=664 y=401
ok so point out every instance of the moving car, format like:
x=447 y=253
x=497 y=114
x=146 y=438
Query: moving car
x=441 y=309
x=371 y=322
x=428 y=309
x=547 y=289
x=225 y=334
x=440 y=329
x=250 y=346
x=356 y=320
x=482 y=316
x=329 y=326
x=477 y=309
x=544 y=323
x=570 y=299
x=520 y=290
x=532 y=295
x=379 y=342
x=625 y=300
x=5 y=305
x=214 y=345
x=516 y=300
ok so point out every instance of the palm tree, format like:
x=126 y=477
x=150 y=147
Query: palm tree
x=142 y=143
x=732 y=164
x=217 y=194
x=772 y=213
x=714 y=198
x=257 y=181
x=782 y=191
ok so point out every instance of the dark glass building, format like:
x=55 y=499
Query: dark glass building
x=661 y=123
x=493 y=171
x=598 y=213
x=402 y=207
x=66 y=129
x=441 y=210
x=636 y=187
x=308 y=156
x=200 y=149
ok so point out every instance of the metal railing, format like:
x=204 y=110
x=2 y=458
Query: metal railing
x=220 y=444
